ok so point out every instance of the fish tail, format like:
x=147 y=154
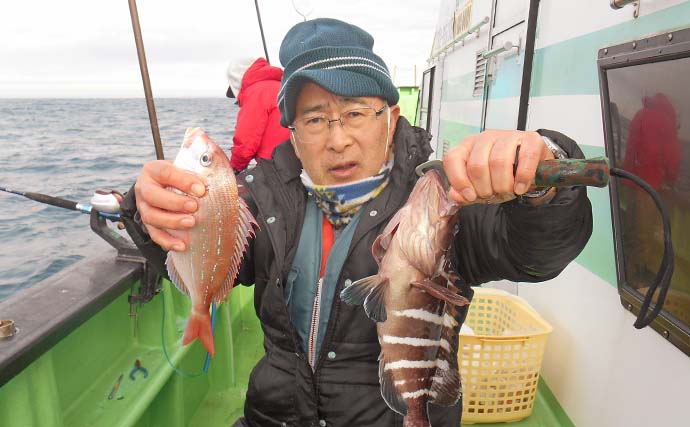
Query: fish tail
x=417 y=415
x=199 y=326
x=410 y=421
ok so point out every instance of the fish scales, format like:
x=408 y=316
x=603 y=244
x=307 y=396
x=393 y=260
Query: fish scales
x=413 y=299
x=206 y=271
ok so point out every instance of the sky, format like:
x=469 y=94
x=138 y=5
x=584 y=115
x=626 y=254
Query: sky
x=86 y=48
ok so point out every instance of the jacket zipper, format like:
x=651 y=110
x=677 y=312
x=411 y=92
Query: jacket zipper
x=313 y=333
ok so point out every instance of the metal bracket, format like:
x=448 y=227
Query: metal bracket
x=619 y=4
x=149 y=286
x=126 y=250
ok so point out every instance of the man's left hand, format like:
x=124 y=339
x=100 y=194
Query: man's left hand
x=480 y=168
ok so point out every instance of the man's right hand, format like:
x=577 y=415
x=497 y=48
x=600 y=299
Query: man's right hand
x=168 y=216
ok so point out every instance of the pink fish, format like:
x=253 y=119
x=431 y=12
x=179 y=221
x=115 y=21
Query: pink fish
x=413 y=299
x=206 y=271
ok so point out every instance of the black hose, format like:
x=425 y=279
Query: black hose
x=662 y=281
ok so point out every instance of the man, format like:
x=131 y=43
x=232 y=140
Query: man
x=347 y=169
x=255 y=84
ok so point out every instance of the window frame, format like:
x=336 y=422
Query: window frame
x=426 y=109
x=667 y=46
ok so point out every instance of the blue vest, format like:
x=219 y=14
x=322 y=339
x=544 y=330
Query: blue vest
x=303 y=278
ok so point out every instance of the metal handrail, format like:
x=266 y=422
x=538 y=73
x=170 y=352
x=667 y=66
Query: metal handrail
x=462 y=36
x=503 y=48
x=619 y=4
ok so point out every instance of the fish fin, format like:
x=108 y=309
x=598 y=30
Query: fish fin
x=451 y=277
x=174 y=276
x=378 y=249
x=445 y=386
x=199 y=326
x=245 y=230
x=388 y=391
x=375 y=302
x=357 y=292
x=392 y=226
x=448 y=207
x=383 y=240
x=369 y=292
x=440 y=292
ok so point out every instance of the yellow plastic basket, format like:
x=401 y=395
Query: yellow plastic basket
x=500 y=363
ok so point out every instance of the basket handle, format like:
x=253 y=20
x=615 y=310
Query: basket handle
x=504 y=339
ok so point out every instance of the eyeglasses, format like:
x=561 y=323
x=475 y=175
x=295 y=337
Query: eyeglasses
x=315 y=128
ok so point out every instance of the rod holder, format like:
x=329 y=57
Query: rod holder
x=505 y=47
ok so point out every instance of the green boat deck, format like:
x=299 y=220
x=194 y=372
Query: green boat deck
x=70 y=384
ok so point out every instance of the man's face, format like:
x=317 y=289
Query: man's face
x=342 y=155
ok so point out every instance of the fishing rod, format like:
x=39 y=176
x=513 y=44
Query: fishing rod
x=261 y=28
x=103 y=202
x=153 y=286
x=134 y=14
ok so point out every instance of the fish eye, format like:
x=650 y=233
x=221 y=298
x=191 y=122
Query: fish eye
x=206 y=159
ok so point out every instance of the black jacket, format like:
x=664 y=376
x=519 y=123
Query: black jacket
x=511 y=241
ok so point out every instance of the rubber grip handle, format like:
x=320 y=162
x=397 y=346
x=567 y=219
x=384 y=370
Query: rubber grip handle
x=592 y=172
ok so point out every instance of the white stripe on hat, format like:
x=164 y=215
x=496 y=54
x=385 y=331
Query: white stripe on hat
x=376 y=66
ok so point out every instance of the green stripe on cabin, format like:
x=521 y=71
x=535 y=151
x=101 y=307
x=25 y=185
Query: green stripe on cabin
x=570 y=67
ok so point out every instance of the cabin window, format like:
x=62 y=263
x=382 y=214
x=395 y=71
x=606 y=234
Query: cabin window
x=646 y=107
x=424 y=118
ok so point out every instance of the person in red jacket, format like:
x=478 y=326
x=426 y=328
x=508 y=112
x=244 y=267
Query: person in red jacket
x=255 y=84
x=653 y=153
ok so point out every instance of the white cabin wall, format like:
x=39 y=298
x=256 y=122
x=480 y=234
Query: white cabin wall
x=602 y=370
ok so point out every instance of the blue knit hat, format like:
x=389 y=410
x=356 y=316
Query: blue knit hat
x=336 y=56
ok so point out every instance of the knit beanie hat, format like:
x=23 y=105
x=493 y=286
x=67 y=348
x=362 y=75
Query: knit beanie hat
x=235 y=73
x=336 y=56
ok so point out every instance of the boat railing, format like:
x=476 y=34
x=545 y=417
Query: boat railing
x=46 y=313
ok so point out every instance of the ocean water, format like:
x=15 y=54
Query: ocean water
x=68 y=148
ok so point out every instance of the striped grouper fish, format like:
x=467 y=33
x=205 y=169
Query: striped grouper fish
x=413 y=300
x=206 y=271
